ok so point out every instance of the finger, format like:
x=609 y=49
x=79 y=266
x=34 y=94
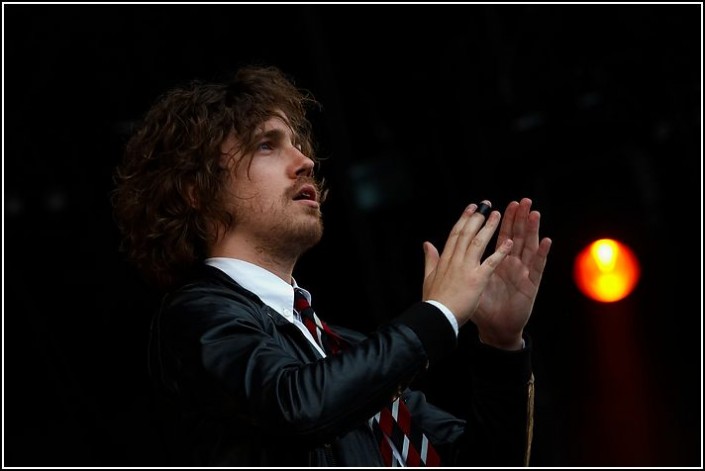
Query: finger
x=451 y=242
x=519 y=228
x=478 y=244
x=531 y=241
x=496 y=258
x=484 y=208
x=539 y=262
x=469 y=232
x=431 y=258
x=507 y=227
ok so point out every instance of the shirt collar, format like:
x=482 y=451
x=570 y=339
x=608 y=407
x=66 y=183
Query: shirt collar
x=272 y=290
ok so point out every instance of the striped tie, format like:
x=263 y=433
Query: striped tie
x=393 y=423
x=328 y=340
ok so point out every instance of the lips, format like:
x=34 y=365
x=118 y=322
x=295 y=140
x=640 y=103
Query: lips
x=306 y=193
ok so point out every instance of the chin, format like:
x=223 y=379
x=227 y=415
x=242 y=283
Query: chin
x=296 y=239
x=311 y=236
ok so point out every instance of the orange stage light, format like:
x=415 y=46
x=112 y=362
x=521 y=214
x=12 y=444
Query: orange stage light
x=606 y=270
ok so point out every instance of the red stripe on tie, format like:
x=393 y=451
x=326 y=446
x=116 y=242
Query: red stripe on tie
x=432 y=458
x=412 y=458
x=386 y=421
x=404 y=418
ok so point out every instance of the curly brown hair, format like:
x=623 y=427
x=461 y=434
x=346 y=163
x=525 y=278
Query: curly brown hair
x=170 y=184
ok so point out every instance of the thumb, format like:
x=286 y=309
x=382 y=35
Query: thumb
x=431 y=258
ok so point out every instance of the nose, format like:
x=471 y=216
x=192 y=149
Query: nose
x=303 y=165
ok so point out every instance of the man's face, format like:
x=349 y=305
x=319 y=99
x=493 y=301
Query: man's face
x=274 y=199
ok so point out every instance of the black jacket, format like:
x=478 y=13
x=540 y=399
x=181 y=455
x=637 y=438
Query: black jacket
x=242 y=386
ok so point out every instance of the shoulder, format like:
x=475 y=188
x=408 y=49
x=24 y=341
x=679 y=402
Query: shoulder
x=211 y=295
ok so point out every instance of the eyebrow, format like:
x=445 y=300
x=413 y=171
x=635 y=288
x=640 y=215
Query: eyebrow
x=274 y=134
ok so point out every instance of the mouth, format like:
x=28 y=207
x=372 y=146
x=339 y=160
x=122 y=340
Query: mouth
x=306 y=193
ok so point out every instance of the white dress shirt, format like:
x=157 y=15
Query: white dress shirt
x=272 y=290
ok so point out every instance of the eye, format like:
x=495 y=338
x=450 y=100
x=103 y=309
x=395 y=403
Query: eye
x=296 y=142
x=265 y=146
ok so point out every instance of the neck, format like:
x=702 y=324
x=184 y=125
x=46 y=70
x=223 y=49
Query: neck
x=277 y=262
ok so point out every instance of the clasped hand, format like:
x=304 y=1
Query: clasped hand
x=497 y=294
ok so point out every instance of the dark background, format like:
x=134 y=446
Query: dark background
x=593 y=111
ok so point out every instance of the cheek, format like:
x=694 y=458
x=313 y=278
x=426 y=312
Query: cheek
x=246 y=185
x=257 y=192
x=262 y=183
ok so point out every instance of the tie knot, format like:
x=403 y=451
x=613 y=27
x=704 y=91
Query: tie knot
x=328 y=340
x=300 y=301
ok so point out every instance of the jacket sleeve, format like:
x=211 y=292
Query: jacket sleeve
x=500 y=414
x=229 y=359
x=497 y=406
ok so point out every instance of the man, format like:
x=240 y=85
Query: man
x=217 y=201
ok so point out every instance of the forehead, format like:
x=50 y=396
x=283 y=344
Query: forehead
x=275 y=123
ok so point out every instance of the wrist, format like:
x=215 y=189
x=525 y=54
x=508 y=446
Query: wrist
x=509 y=343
